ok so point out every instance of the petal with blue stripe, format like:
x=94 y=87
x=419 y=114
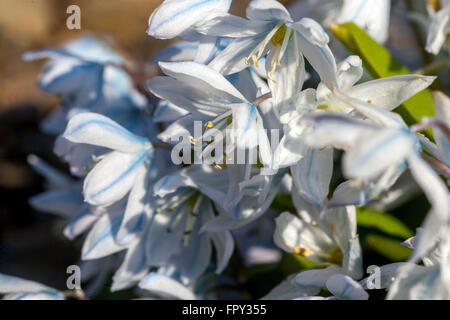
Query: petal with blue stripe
x=98 y=130
x=173 y=17
x=114 y=176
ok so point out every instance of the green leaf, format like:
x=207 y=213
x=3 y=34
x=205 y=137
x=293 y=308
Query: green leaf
x=379 y=62
x=382 y=221
x=250 y=272
x=283 y=202
x=387 y=247
x=292 y=263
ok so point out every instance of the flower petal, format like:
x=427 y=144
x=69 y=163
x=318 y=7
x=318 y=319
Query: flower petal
x=442 y=113
x=312 y=174
x=228 y=25
x=313 y=42
x=374 y=154
x=269 y=10
x=100 y=241
x=389 y=93
x=166 y=286
x=98 y=130
x=344 y=287
x=112 y=178
x=173 y=17
x=232 y=58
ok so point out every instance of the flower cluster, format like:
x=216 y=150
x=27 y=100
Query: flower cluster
x=245 y=109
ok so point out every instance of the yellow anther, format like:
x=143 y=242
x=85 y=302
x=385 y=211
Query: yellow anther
x=192 y=140
x=323 y=107
x=278 y=63
x=435 y=4
x=209 y=125
x=333 y=230
x=215 y=166
x=323 y=148
x=420 y=134
x=304 y=252
x=255 y=60
x=269 y=75
x=247 y=62
x=369 y=101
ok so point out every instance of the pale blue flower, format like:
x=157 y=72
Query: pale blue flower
x=174 y=17
x=378 y=149
x=14 y=288
x=439 y=29
x=86 y=73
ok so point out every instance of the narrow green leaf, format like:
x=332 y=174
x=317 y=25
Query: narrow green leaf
x=292 y=263
x=379 y=62
x=382 y=221
x=387 y=247
x=283 y=202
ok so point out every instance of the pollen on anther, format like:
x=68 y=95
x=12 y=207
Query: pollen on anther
x=209 y=125
x=255 y=60
x=304 y=252
x=269 y=75
x=192 y=140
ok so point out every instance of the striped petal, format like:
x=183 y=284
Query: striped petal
x=332 y=129
x=289 y=81
x=232 y=58
x=80 y=223
x=98 y=130
x=438 y=31
x=11 y=284
x=132 y=269
x=100 y=242
x=224 y=245
x=228 y=25
x=166 y=287
x=373 y=154
x=344 y=287
x=291 y=232
x=372 y=15
x=173 y=17
x=204 y=75
x=134 y=218
x=268 y=10
x=313 y=42
x=312 y=174
x=389 y=93
x=113 y=177
x=442 y=113
x=432 y=185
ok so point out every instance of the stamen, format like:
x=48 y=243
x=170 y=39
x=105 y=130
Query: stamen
x=269 y=75
x=192 y=140
x=333 y=231
x=259 y=50
x=255 y=60
x=304 y=252
x=209 y=125
x=217 y=167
